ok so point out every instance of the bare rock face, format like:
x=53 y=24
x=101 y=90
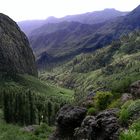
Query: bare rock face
x=16 y=55
x=125 y=97
x=69 y=117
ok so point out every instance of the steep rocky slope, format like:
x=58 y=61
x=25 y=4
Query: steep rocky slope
x=16 y=55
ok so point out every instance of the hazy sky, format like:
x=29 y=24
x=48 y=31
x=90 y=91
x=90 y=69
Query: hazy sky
x=41 y=9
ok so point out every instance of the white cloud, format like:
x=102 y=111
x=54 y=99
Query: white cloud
x=41 y=9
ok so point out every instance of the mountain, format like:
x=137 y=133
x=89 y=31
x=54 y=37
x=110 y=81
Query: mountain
x=27 y=104
x=90 y=17
x=103 y=84
x=29 y=25
x=57 y=42
x=112 y=67
x=16 y=55
x=87 y=18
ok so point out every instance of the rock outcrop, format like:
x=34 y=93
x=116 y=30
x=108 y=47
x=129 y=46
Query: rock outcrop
x=104 y=126
x=69 y=117
x=135 y=89
x=73 y=124
x=16 y=55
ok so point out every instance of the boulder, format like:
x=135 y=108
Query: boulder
x=68 y=118
x=135 y=89
x=125 y=97
x=104 y=126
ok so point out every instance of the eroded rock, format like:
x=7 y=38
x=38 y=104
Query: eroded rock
x=69 y=118
x=104 y=126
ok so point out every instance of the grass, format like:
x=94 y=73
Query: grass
x=39 y=86
x=53 y=93
x=133 y=133
x=15 y=132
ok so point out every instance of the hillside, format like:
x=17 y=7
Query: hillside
x=54 y=45
x=107 y=92
x=28 y=106
x=88 y=86
x=113 y=67
x=28 y=26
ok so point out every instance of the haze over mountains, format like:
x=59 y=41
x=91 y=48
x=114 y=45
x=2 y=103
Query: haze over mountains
x=87 y=18
x=61 y=39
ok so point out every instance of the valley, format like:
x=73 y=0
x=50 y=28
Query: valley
x=71 y=78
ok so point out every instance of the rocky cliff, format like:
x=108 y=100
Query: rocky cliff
x=16 y=55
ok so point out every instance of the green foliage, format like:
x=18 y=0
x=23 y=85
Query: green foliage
x=113 y=68
x=128 y=111
x=115 y=104
x=91 y=111
x=15 y=132
x=43 y=131
x=133 y=133
x=27 y=100
x=103 y=99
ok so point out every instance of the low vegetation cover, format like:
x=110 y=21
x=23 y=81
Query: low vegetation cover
x=25 y=100
x=112 y=68
x=133 y=133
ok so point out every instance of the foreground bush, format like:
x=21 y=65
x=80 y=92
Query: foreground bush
x=103 y=99
x=130 y=110
x=91 y=111
x=133 y=133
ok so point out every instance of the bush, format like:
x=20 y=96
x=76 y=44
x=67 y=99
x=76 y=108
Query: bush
x=103 y=99
x=115 y=104
x=43 y=131
x=128 y=110
x=133 y=133
x=91 y=111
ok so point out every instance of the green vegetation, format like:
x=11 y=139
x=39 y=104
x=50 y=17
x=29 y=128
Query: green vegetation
x=129 y=111
x=15 y=132
x=91 y=111
x=133 y=133
x=102 y=99
x=26 y=100
x=113 y=68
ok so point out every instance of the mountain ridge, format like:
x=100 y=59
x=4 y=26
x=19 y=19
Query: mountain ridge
x=85 y=18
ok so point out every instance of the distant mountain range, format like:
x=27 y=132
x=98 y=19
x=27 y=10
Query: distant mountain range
x=90 y=17
x=87 y=18
x=60 y=41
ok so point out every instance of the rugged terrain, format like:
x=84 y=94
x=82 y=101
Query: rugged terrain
x=16 y=55
x=75 y=38
x=23 y=97
x=88 y=85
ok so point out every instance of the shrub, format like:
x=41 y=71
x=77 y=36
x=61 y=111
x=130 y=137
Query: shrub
x=133 y=133
x=91 y=111
x=128 y=110
x=115 y=104
x=43 y=131
x=103 y=99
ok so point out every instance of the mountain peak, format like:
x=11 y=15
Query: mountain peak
x=110 y=9
x=136 y=10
